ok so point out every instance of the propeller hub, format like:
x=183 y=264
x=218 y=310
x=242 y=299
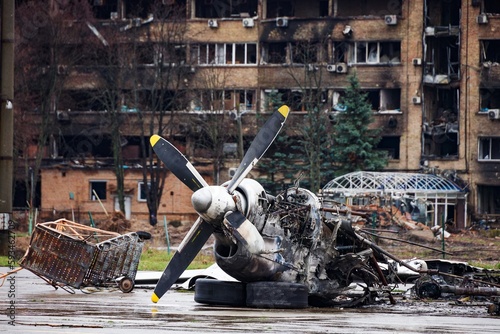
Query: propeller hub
x=212 y=203
x=201 y=200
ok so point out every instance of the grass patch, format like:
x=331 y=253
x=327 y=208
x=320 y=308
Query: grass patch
x=4 y=261
x=156 y=260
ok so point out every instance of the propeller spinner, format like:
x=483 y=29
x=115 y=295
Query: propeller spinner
x=210 y=202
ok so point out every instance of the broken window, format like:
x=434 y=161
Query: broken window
x=442 y=12
x=224 y=54
x=442 y=59
x=390 y=144
x=97 y=190
x=340 y=52
x=390 y=100
x=278 y=8
x=375 y=52
x=488 y=199
x=490 y=99
x=306 y=53
x=490 y=52
x=239 y=99
x=489 y=148
x=166 y=54
x=137 y=8
x=440 y=128
x=225 y=8
x=104 y=8
x=384 y=100
x=368 y=7
x=491 y=6
x=274 y=53
x=80 y=100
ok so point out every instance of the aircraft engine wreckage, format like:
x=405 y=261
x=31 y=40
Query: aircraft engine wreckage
x=289 y=250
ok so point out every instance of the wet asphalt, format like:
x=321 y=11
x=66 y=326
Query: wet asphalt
x=30 y=305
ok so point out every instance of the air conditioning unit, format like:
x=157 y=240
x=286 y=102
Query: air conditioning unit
x=417 y=61
x=341 y=68
x=282 y=22
x=248 y=23
x=391 y=20
x=213 y=23
x=113 y=15
x=494 y=114
x=331 y=68
x=482 y=19
x=416 y=100
x=231 y=172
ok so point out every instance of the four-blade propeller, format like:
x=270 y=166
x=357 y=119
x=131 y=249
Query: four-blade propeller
x=211 y=202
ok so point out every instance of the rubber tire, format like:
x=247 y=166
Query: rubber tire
x=215 y=292
x=143 y=235
x=277 y=295
x=126 y=285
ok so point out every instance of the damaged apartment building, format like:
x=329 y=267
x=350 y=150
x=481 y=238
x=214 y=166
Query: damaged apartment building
x=430 y=69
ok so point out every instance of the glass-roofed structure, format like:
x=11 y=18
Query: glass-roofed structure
x=429 y=198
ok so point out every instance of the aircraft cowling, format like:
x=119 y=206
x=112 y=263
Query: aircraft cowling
x=241 y=263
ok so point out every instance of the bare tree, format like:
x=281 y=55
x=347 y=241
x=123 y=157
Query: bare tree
x=306 y=58
x=163 y=91
x=44 y=58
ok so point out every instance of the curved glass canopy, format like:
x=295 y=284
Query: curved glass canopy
x=421 y=185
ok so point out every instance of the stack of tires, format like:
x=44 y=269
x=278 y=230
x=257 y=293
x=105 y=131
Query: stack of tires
x=256 y=294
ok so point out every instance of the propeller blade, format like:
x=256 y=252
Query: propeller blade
x=188 y=249
x=259 y=146
x=177 y=163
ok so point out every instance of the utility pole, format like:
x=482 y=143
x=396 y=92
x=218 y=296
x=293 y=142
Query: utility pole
x=6 y=120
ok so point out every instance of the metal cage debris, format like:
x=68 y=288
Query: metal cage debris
x=65 y=253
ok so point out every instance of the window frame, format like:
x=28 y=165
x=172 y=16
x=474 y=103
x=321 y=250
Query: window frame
x=223 y=54
x=482 y=141
x=367 y=59
x=140 y=185
x=98 y=191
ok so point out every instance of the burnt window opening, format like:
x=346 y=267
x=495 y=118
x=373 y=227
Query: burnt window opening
x=442 y=60
x=97 y=190
x=440 y=124
x=368 y=7
x=89 y=143
x=80 y=100
x=488 y=199
x=304 y=100
x=103 y=8
x=160 y=100
x=491 y=6
x=384 y=99
x=390 y=99
x=296 y=8
x=274 y=53
x=375 y=52
x=137 y=8
x=390 y=144
x=442 y=12
x=165 y=54
x=489 y=149
x=278 y=8
x=306 y=53
x=227 y=8
x=490 y=98
x=490 y=51
x=340 y=52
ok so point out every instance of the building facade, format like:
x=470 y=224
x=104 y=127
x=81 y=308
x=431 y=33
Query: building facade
x=430 y=68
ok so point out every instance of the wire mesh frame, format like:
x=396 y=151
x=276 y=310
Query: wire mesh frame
x=427 y=185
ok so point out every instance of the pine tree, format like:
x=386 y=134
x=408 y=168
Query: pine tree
x=354 y=142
